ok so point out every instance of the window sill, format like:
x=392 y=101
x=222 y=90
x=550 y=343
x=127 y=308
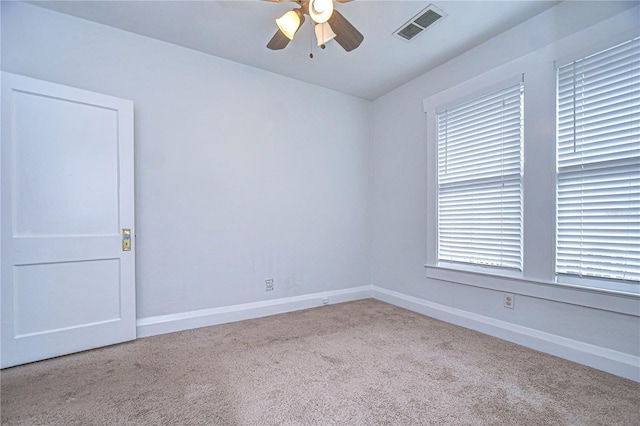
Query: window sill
x=599 y=284
x=479 y=269
x=609 y=300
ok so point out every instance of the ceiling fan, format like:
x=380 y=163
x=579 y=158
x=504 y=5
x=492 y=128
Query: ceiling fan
x=329 y=25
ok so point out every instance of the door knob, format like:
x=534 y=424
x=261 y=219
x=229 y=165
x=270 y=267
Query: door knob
x=126 y=239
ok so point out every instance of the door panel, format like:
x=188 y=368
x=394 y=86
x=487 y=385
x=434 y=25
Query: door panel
x=66 y=159
x=38 y=288
x=67 y=192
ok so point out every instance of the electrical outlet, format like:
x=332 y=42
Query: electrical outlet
x=269 y=284
x=509 y=300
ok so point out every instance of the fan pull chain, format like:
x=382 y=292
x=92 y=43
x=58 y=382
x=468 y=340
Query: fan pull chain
x=311 y=39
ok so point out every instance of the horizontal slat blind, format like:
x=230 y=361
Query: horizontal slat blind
x=598 y=165
x=480 y=180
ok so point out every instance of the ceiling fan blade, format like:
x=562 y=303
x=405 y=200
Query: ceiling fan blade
x=278 y=41
x=347 y=35
x=300 y=1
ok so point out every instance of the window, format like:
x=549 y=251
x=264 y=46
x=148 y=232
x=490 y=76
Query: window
x=598 y=168
x=480 y=180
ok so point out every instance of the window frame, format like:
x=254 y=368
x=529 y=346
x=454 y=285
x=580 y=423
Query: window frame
x=475 y=183
x=582 y=281
x=537 y=279
x=432 y=106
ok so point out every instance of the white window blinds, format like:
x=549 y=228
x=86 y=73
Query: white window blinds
x=598 y=165
x=480 y=180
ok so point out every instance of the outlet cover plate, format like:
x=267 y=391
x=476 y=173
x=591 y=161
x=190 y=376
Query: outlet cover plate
x=509 y=300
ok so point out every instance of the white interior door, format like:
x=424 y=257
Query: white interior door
x=67 y=193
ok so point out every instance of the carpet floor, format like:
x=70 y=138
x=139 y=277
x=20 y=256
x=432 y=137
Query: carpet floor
x=356 y=363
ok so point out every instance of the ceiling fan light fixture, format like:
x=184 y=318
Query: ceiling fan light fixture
x=290 y=22
x=324 y=33
x=320 y=10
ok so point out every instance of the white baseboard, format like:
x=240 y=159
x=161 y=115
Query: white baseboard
x=614 y=362
x=151 y=326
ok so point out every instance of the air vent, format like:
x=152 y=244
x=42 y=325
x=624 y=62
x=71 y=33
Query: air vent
x=423 y=20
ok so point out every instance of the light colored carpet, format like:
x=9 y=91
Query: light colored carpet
x=357 y=363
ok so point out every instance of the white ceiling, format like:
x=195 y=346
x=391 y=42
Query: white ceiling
x=239 y=30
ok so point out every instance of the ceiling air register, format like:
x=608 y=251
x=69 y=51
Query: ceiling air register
x=423 y=20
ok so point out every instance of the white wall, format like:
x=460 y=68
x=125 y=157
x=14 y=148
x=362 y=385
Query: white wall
x=234 y=184
x=404 y=189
